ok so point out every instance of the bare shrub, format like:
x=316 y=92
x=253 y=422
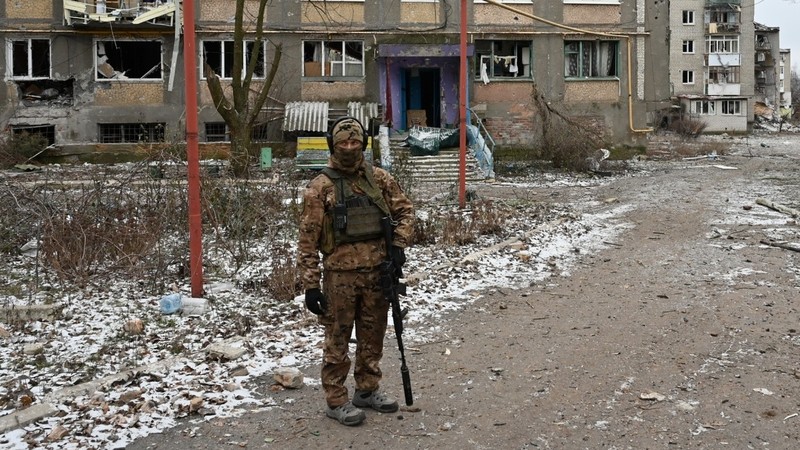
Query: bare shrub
x=20 y=148
x=567 y=145
x=403 y=173
x=106 y=225
x=688 y=127
x=464 y=227
x=283 y=283
x=425 y=230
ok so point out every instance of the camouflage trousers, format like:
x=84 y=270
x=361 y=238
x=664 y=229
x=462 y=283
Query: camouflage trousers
x=354 y=298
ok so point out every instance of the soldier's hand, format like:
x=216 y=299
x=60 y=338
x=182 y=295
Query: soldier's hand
x=398 y=256
x=316 y=301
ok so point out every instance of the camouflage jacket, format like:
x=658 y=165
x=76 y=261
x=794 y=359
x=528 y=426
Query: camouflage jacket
x=319 y=197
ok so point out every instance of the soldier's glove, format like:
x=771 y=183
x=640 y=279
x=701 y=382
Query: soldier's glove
x=315 y=301
x=398 y=256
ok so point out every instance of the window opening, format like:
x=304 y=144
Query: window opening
x=128 y=60
x=46 y=131
x=30 y=58
x=333 y=59
x=116 y=133
x=503 y=59
x=591 y=59
x=219 y=56
x=217 y=132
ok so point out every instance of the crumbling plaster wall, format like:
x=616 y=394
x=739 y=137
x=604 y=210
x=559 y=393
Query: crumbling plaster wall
x=29 y=9
x=224 y=10
x=419 y=13
x=592 y=14
x=128 y=94
x=337 y=91
x=488 y=14
x=592 y=91
x=332 y=14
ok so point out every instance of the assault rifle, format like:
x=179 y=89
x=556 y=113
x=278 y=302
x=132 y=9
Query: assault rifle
x=392 y=290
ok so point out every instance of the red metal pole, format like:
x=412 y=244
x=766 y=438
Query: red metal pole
x=192 y=150
x=462 y=107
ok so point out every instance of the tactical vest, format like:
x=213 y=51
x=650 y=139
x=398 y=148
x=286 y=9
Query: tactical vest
x=354 y=217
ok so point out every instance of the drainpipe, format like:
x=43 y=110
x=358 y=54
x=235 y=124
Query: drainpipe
x=594 y=33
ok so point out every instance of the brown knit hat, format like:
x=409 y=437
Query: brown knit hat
x=347 y=128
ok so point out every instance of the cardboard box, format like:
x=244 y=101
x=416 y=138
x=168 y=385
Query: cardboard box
x=314 y=69
x=416 y=117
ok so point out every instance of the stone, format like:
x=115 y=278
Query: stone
x=33 y=349
x=225 y=351
x=4 y=333
x=11 y=314
x=289 y=377
x=134 y=327
x=57 y=433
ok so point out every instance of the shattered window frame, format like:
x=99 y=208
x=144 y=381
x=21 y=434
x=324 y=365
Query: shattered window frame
x=225 y=63
x=583 y=59
x=130 y=133
x=136 y=63
x=28 y=52
x=507 y=58
x=336 y=58
x=724 y=75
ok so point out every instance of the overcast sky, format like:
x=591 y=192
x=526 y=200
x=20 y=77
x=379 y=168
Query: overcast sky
x=786 y=15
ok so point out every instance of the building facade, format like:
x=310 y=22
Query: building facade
x=711 y=56
x=101 y=75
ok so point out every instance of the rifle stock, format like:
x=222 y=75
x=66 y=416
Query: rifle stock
x=392 y=289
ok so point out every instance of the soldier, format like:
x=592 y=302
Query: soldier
x=342 y=208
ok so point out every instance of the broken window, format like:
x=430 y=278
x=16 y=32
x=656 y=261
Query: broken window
x=688 y=46
x=687 y=76
x=591 y=59
x=128 y=60
x=333 y=59
x=731 y=107
x=503 y=59
x=116 y=133
x=48 y=132
x=722 y=74
x=29 y=58
x=51 y=92
x=217 y=132
x=219 y=56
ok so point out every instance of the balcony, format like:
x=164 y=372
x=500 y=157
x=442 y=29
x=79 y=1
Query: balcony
x=135 y=12
x=723 y=59
x=722 y=28
x=723 y=2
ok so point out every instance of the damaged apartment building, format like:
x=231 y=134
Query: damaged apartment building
x=100 y=75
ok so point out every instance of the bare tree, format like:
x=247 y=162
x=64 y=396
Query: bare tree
x=241 y=105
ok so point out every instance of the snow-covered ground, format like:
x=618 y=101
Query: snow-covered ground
x=174 y=377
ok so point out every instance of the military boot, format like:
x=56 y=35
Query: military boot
x=376 y=400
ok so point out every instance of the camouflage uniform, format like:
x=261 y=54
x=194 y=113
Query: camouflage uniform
x=351 y=281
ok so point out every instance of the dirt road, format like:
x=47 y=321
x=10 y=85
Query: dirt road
x=682 y=332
